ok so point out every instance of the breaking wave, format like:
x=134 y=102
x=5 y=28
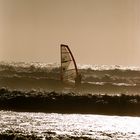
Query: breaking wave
x=70 y=102
x=21 y=75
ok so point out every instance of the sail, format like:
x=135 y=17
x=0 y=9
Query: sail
x=68 y=64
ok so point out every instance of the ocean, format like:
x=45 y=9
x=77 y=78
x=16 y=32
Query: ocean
x=35 y=104
x=22 y=125
x=95 y=79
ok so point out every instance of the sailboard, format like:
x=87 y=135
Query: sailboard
x=69 y=69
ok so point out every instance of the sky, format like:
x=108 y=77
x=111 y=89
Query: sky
x=102 y=32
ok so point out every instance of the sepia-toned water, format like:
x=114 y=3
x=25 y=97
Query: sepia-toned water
x=60 y=126
x=96 y=80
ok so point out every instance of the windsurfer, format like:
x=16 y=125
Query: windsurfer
x=69 y=69
x=78 y=80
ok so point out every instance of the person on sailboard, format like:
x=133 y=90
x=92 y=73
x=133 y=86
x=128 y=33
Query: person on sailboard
x=78 y=80
x=68 y=66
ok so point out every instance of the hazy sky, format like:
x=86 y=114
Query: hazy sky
x=97 y=31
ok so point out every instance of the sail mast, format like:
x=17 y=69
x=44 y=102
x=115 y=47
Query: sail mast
x=61 y=78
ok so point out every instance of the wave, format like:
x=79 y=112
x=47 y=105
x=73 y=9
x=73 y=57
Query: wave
x=113 y=84
x=29 y=83
x=108 y=67
x=40 y=75
x=38 y=66
x=42 y=101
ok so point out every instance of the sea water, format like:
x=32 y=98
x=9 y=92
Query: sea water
x=63 y=126
x=98 y=79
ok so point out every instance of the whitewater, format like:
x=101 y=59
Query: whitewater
x=95 y=79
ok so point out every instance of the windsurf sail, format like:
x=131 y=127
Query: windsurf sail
x=69 y=69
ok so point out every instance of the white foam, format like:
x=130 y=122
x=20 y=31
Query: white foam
x=107 y=67
x=56 y=65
